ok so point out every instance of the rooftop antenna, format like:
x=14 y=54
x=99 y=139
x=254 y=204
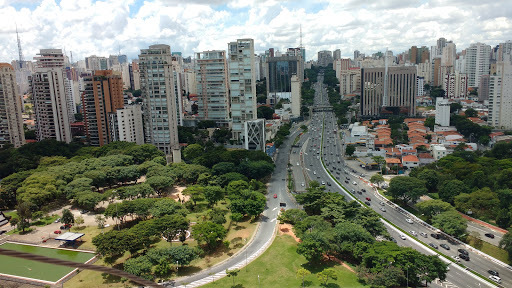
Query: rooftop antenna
x=19 y=48
x=385 y=94
x=71 y=57
x=300 y=36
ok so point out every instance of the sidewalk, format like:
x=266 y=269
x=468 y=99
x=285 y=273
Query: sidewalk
x=485 y=224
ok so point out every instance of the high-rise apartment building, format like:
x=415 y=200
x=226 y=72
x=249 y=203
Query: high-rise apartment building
x=242 y=84
x=102 y=95
x=400 y=94
x=324 y=58
x=455 y=85
x=350 y=81
x=483 y=89
x=442 y=112
x=336 y=54
x=500 y=97
x=296 y=98
x=478 y=58
x=126 y=124
x=159 y=100
x=51 y=98
x=11 y=122
x=211 y=74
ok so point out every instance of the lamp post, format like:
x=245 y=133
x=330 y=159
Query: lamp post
x=177 y=269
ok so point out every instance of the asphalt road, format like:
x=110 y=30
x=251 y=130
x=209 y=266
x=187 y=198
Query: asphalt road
x=267 y=226
x=321 y=134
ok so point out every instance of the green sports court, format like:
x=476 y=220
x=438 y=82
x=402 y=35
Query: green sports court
x=38 y=270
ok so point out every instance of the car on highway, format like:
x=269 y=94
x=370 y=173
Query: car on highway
x=413 y=233
x=364 y=190
x=490 y=235
x=495 y=273
x=382 y=209
x=354 y=183
x=298 y=164
x=433 y=245
x=434 y=235
x=367 y=203
x=359 y=192
x=445 y=246
x=463 y=251
x=402 y=236
x=346 y=181
x=456 y=258
x=275 y=196
x=495 y=278
x=381 y=203
x=408 y=220
x=328 y=183
x=424 y=234
x=57 y=232
x=314 y=172
x=302 y=184
x=368 y=199
x=464 y=256
x=323 y=182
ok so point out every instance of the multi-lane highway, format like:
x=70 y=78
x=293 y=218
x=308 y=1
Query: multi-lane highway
x=322 y=144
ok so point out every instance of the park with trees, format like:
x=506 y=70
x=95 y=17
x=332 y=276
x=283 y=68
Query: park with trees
x=224 y=193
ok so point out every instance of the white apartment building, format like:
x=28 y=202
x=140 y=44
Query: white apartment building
x=438 y=151
x=52 y=97
x=296 y=98
x=500 y=97
x=128 y=124
x=159 y=100
x=350 y=80
x=242 y=84
x=456 y=85
x=11 y=122
x=478 y=58
x=442 y=112
x=420 y=83
x=424 y=70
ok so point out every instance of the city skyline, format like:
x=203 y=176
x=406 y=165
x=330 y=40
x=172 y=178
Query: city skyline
x=108 y=27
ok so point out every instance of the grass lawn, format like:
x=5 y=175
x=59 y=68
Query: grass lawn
x=277 y=268
x=38 y=270
x=489 y=249
x=94 y=279
x=90 y=232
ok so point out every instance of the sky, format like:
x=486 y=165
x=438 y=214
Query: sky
x=110 y=27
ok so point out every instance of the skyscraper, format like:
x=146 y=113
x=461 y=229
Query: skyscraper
x=324 y=58
x=500 y=97
x=51 y=102
x=11 y=122
x=242 y=84
x=401 y=91
x=478 y=58
x=212 y=87
x=159 y=100
x=336 y=54
x=102 y=95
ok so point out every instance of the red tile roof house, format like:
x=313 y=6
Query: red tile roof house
x=410 y=161
x=425 y=158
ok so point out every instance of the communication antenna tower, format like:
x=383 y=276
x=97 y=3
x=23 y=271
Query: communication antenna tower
x=19 y=48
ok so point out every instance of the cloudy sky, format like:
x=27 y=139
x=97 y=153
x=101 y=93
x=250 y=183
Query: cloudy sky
x=103 y=27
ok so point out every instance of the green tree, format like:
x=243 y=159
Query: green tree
x=430 y=122
x=346 y=235
x=209 y=233
x=506 y=243
x=377 y=179
x=79 y=220
x=170 y=226
x=100 y=220
x=292 y=216
x=24 y=215
x=183 y=254
x=237 y=217
x=216 y=215
x=232 y=273
x=431 y=208
x=470 y=112
x=265 y=112
x=67 y=217
x=140 y=266
x=450 y=222
x=451 y=188
x=313 y=246
x=163 y=268
x=326 y=274
x=349 y=150
x=454 y=107
x=192 y=151
x=407 y=189
x=196 y=193
x=503 y=218
x=160 y=183
x=302 y=273
x=431 y=178
x=213 y=194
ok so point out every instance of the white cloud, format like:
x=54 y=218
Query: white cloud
x=101 y=27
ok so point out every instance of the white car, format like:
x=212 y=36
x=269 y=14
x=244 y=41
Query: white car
x=298 y=164
x=354 y=183
x=495 y=278
x=408 y=220
x=413 y=233
x=302 y=184
x=314 y=172
x=402 y=237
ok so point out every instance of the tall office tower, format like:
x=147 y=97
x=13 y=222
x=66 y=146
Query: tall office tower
x=212 y=87
x=356 y=54
x=437 y=76
x=477 y=62
x=102 y=95
x=505 y=52
x=413 y=55
x=134 y=75
x=420 y=83
x=324 y=58
x=423 y=54
x=122 y=59
x=442 y=112
x=456 y=85
x=341 y=65
x=483 y=89
x=126 y=124
x=350 y=81
x=500 y=97
x=159 y=100
x=401 y=91
x=242 y=85
x=96 y=63
x=449 y=54
x=441 y=43
x=113 y=60
x=11 y=122
x=51 y=102
x=336 y=54
x=300 y=54
x=280 y=70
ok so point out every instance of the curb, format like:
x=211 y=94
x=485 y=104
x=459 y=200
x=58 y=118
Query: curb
x=482 y=223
